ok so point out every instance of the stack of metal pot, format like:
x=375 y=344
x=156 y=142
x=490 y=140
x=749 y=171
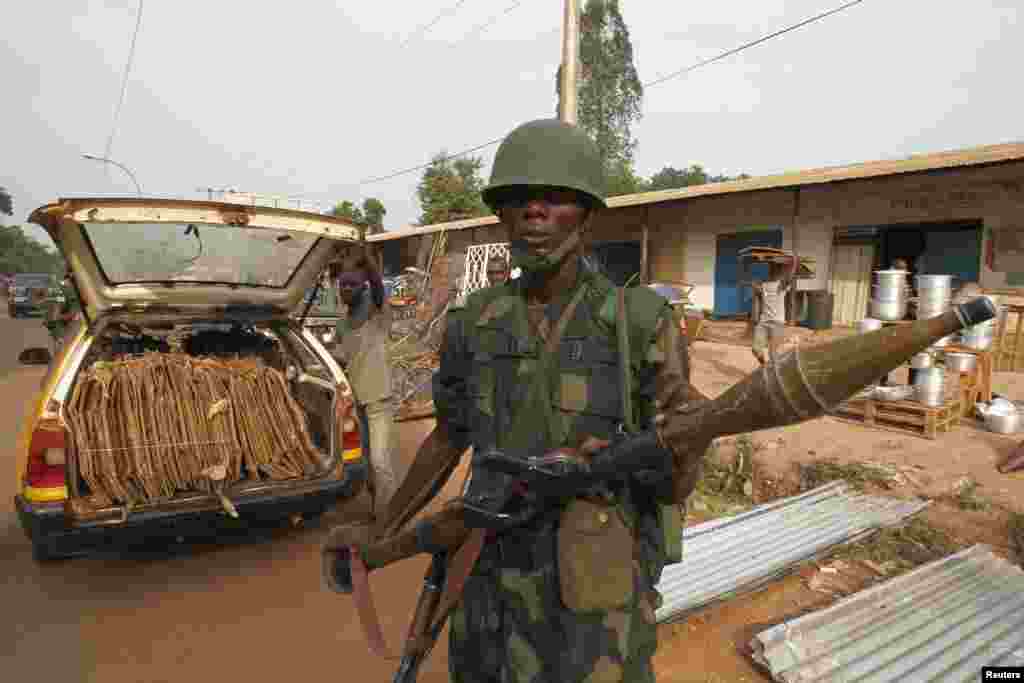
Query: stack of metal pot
x=934 y=297
x=930 y=385
x=889 y=295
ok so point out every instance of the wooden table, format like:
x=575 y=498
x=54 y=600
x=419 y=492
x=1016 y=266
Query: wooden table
x=975 y=385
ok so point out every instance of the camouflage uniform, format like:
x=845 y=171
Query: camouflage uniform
x=512 y=624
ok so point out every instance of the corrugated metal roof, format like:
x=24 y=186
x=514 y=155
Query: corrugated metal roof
x=941 y=622
x=731 y=555
x=974 y=156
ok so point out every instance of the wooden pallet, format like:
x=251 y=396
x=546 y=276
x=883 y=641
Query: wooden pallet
x=904 y=416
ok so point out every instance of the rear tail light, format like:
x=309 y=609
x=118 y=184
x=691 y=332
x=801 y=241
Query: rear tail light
x=351 y=438
x=45 y=476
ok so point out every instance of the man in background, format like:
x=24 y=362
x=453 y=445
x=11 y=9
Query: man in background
x=770 y=310
x=497 y=270
x=362 y=343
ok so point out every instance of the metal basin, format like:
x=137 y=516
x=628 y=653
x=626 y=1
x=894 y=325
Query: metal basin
x=975 y=341
x=891 y=279
x=922 y=360
x=960 y=362
x=880 y=293
x=931 y=297
x=934 y=282
x=887 y=310
x=1003 y=423
x=930 y=386
x=868 y=325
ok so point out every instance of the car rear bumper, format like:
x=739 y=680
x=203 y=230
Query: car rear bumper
x=48 y=522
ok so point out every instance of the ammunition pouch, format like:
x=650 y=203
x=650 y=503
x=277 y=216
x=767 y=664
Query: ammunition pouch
x=596 y=570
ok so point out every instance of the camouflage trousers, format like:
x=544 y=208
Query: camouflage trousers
x=511 y=627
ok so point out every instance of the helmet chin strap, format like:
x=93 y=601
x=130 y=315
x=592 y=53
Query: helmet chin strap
x=534 y=265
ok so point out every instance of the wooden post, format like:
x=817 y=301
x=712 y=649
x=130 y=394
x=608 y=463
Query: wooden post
x=791 y=295
x=570 y=62
x=645 y=272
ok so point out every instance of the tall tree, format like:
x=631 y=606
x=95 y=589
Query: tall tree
x=20 y=253
x=6 y=205
x=609 y=92
x=370 y=216
x=450 y=190
x=348 y=211
x=373 y=214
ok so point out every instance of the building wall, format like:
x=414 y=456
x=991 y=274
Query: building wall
x=684 y=234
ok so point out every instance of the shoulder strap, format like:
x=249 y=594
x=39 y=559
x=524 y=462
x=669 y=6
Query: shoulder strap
x=625 y=361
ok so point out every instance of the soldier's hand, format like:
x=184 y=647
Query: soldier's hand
x=336 y=555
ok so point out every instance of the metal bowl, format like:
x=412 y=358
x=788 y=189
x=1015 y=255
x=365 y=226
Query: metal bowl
x=887 y=310
x=1002 y=423
x=960 y=362
x=868 y=325
x=922 y=360
x=892 y=278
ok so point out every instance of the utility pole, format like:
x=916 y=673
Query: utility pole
x=570 y=61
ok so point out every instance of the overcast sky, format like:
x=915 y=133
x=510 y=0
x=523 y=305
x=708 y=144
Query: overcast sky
x=310 y=97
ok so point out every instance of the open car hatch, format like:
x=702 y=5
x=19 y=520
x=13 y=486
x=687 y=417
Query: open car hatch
x=138 y=252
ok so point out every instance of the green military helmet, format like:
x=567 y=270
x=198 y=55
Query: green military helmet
x=547 y=152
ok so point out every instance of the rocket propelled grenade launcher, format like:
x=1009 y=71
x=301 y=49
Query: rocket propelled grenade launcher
x=797 y=386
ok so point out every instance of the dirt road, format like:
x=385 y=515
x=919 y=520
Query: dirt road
x=250 y=609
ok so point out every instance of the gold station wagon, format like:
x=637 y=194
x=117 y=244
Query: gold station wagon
x=188 y=394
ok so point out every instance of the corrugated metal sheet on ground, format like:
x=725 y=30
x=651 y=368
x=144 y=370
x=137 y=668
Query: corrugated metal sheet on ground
x=940 y=622
x=731 y=555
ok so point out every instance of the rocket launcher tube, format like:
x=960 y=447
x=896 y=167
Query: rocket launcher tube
x=806 y=383
x=798 y=386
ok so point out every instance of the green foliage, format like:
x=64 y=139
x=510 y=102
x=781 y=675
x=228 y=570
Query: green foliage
x=6 y=205
x=450 y=190
x=670 y=178
x=609 y=91
x=620 y=179
x=370 y=216
x=20 y=253
x=373 y=214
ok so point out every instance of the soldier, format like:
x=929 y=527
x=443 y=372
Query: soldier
x=529 y=366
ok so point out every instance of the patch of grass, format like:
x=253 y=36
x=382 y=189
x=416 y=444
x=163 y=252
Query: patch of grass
x=902 y=548
x=726 y=487
x=858 y=475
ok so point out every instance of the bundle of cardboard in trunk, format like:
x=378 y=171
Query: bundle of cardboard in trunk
x=149 y=427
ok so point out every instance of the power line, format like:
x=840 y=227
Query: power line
x=493 y=20
x=124 y=82
x=676 y=74
x=752 y=43
x=426 y=27
x=421 y=166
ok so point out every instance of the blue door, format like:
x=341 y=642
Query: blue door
x=730 y=298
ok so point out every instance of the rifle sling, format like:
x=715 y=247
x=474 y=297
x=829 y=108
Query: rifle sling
x=363 y=598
